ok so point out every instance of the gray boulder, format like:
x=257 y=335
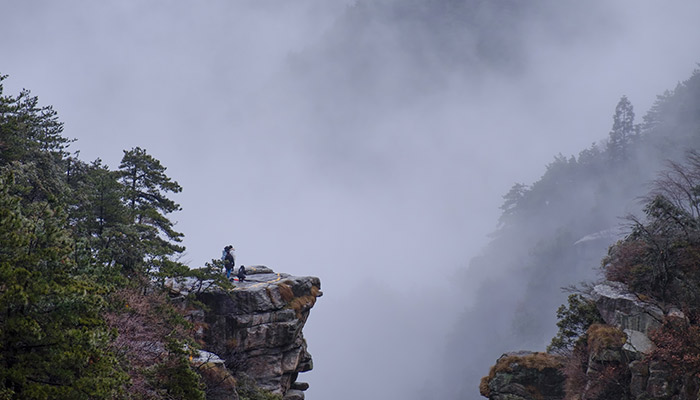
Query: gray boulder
x=256 y=327
x=525 y=376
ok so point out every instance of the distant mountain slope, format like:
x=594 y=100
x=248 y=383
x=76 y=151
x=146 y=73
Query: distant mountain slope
x=554 y=232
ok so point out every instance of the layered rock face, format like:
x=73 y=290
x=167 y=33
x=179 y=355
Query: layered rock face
x=256 y=328
x=615 y=363
x=524 y=375
x=623 y=310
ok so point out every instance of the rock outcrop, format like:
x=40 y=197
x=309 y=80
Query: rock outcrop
x=524 y=375
x=618 y=351
x=625 y=311
x=256 y=328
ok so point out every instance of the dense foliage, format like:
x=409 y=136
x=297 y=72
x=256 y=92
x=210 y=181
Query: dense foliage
x=660 y=259
x=552 y=231
x=657 y=262
x=82 y=250
x=574 y=321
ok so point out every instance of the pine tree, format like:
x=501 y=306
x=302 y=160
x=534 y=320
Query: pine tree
x=151 y=235
x=64 y=227
x=98 y=215
x=54 y=342
x=512 y=203
x=30 y=134
x=623 y=132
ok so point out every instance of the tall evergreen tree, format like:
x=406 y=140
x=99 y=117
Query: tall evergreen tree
x=64 y=226
x=146 y=187
x=98 y=215
x=623 y=132
x=27 y=129
x=30 y=134
x=54 y=343
x=512 y=203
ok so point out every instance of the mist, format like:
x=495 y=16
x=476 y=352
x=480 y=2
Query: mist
x=368 y=144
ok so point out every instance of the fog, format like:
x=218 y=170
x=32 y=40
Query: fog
x=344 y=141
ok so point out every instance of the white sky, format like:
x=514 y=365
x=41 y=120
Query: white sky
x=200 y=85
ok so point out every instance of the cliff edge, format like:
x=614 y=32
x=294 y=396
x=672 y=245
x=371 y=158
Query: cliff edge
x=254 y=330
x=617 y=358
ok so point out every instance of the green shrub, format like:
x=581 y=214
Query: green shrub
x=248 y=390
x=574 y=321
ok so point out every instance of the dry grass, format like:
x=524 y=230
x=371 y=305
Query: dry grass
x=301 y=304
x=484 y=386
x=601 y=336
x=217 y=377
x=286 y=292
x=538 y=361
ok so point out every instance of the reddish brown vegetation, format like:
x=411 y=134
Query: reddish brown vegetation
x=575 y=367
x=624 y=258
x=678 y=345
x=147 y=327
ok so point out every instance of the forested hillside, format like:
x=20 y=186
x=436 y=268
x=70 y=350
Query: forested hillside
x=554 y=232
x=657 y=266
x=83 y=254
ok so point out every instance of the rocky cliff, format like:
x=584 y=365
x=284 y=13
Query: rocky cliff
x=617 y=360
x=524 y=375
x=253 y=331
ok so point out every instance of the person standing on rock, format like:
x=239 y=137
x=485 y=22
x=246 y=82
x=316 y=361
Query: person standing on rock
x=229 y=257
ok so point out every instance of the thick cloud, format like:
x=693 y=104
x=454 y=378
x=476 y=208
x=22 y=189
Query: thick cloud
x=369 y=145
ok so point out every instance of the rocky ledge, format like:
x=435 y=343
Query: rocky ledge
x=256 y=327
x=616 y=361
x=524 y=375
